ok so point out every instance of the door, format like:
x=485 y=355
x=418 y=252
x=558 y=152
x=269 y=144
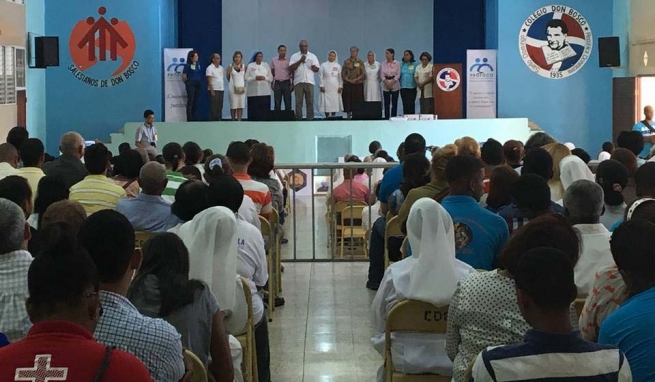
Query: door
x=624 y=104
x=21 y=108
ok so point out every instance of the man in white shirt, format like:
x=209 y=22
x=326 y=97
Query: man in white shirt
x=8 y=160
x=304 y=66
x=583 y=205
x=216 y=87
x=146 y=134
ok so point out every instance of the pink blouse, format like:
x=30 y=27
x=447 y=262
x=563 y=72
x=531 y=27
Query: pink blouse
x=390 y=69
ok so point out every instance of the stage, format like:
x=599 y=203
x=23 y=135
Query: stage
x=324 y=141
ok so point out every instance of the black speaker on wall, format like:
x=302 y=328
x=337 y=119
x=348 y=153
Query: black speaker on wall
x=609 y=52
x=46 y=51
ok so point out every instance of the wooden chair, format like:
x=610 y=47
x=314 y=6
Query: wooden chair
x=335 y=216
x=247 y=340
x=267 y=232
x=140 y=238
x=405 y=247
x=198 y=371
x=579 y=305
x=392 y=229
x=351 y=223
x=411 y=316
x=277 y=238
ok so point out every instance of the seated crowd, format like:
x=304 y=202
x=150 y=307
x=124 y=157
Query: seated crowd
x=511 y=237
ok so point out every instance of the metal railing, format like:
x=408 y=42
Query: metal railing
x=298 y=218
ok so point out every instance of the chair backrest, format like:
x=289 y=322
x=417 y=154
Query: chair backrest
x=405 y=247
x=339 y=207
x=579 y=305
x=265 y=227
x=393 y=228
x=351 y=216
x=248 y=293
x=414 y=316
x=275 y=218
x=140 y=238
x=199 y=373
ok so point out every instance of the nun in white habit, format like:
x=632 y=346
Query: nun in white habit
x=572 y=168
x=372 y=89
x=331 y=85
x=431 y=274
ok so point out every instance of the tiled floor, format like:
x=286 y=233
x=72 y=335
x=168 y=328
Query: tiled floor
x=323 y=332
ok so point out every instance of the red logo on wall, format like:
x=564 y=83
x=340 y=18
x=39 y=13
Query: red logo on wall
x=95 y=40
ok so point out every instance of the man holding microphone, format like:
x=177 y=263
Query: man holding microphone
x=304 y=66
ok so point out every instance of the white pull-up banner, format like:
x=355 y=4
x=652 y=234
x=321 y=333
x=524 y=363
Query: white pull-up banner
x=481 y=84
x=174 y=92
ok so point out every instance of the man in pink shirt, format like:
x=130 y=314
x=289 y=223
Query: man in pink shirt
x=343 y=192
x=282 y=79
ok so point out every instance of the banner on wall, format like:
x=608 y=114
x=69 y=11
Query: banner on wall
x=481 y=84
x=555 y=41
x=174 y=91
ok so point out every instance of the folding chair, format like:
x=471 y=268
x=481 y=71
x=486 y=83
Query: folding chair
x=198 y=371
x=247 y=340
x=351 y=223
x=392 y=229
x=579 y=305
x=411 y=316
x=277 y=238
x=336 y=218
x=140 y=238
x=267 y=232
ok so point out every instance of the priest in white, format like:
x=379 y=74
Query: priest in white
x=372 y=90
x=331 y=86
x=431 y=274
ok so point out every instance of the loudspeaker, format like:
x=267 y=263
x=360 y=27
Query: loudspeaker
x=46 y=51
x=609 y=52
x=280 y=115
x=367 y=111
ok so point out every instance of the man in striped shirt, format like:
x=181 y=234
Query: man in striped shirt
x=551 y=351
x=96 y=192
x=239 y=156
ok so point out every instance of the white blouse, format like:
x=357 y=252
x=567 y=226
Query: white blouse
x=258 y=88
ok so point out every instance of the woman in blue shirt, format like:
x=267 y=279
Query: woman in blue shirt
x=407 y=83
x=192 y=78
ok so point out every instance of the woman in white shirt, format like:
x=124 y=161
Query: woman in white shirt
x=215 y=86
x=372 y=82
x=236 y=73
x=259 y=78
x=423 y=78
x=331 y=86
x=431 y=274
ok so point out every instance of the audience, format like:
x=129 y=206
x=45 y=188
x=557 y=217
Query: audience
x=480 y=234
x=630 y=327
x=530 y=197
x=500 y=186
x=194 y=156
x=415 y=174
x=109 y=238
x=612 y=176
x=538 y=139
x=49 y=190
x=580 y=153
x=491 y=154
x=96 y=192
x=634 y=141
x=162 y=289
x=629 y=160
x=16 y=136
x=644 y=180
x=573 y=169
x=373 y=149
x=350 y=189
x=262 y=170
x=414 y=143
x=609 y=290
x=65 y=211
x=606 y=151
x=191 y=199
x=227 y=192
x=8 y=160
x=538 y=161
x=583 y=205
x=14 y=263
x=467 y=146
x=174 y=159
x=126 y=172
x=513 y=153
x=191 y=173
x=558 y=152
x=68 y=167
x=206 y=153
x=431 y=274
x=64 y=308
x=32 y=155
x=16 y=189
x=238 y=155
x=149 y=211
x=483 y=311
x=551 y=350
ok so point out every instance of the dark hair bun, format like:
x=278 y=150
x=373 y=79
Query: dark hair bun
x=56 y=240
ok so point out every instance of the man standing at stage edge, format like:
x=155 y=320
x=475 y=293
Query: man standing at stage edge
x=647 y=130
x=282 y=79
x=304 y=66
x=353 y=74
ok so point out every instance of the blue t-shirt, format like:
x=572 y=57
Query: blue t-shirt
x=645 y=131
x=194 y=75
x=480 y=235
x=632 y=329
x=407 y=70
x=390 y=183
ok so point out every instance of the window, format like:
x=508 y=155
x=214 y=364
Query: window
x=8 y=75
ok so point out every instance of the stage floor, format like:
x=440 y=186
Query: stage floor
x=312 y=142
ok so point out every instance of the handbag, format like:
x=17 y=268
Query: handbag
x=239 y=90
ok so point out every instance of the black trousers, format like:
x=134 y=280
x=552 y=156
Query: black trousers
x=409 y=100
x=390 y=97
x=282 y=91
x=192 y=93
x=262 y=349
x=258 y=107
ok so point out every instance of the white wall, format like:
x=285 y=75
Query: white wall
x=12 y=32
x=36 y=105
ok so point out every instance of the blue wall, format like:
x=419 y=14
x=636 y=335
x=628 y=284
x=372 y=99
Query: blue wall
x=95 y=111
x=577 y=108
x=621 y=24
